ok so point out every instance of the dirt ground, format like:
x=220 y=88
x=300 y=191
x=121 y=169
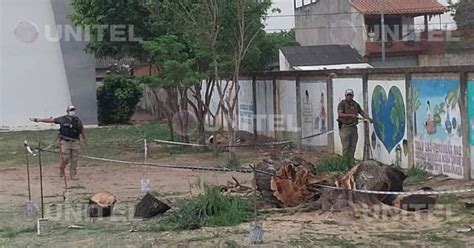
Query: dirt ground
x=434 y=229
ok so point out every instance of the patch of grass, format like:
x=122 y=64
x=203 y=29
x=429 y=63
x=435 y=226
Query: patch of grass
x=448 y=199
x=311 y=241
x=210 y=209
x=9 y=232
x=416 y=175
x=397 y=237
x=333 y=164
x=19 y=195
x=110 y=142
x=166 y=194
x=329 y=222
x=444 y=240
x=231 y=244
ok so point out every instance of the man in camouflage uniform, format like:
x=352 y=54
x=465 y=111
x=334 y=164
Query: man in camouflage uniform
x=71 y=129
x=348 y=111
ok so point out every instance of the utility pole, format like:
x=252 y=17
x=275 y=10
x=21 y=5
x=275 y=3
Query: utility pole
x=382 y=21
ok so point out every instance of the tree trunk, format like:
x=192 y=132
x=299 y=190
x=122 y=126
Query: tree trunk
x=101 y=204
x=296 y=184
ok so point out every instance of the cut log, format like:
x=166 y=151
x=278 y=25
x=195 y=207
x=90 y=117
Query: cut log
x=150 y=207
x=101 y=204
x=291 y=186
x=375 y=176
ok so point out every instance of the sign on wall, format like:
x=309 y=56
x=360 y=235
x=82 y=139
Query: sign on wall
x=437 y=126
x=245 y=106
x=388 y=138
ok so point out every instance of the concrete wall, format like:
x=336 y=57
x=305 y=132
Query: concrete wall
x=329 y=22
x=40 y=76
x=79 y=66
x=284 y=64
x=314 y=111
x=395 y=61
x=32 y=75
x=447 y=59
x=286 y=109
x=265 y=121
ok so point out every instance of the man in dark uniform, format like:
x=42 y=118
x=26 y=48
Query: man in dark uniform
x=348 y=111
x=70 y=130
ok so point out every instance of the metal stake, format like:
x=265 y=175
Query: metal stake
x=41 y=179
x=28 y=173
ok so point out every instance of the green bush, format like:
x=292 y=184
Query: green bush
x=210 y=209
x=335 y=163
x=117 y=99
x=416 y=175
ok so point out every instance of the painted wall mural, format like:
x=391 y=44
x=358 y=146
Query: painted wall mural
x=437 y=126
x=470 y=114
x=314 y=112
x=339 y=87
x=388 y=110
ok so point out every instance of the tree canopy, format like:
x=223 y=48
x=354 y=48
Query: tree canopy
x=463 y=13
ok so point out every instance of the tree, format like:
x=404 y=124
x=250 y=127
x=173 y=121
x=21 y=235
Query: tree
x=227 y=30
x=267 y=50
x=129 y=20
x=463 y=13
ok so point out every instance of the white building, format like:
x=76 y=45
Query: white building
x=41 y=74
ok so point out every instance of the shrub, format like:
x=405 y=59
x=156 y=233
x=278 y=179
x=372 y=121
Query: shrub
x=334 y=164
x=210 y=209
x=117 y=99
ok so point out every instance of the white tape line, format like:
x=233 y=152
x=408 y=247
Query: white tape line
x=317 y=135
x=403 y=193
x=178 y=143
x=244 y=145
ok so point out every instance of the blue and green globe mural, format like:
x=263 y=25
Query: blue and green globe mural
x=388 y=113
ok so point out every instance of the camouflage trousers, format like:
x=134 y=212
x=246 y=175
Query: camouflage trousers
x=349 y=138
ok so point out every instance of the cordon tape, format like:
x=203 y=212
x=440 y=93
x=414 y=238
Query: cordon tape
x=252 y=170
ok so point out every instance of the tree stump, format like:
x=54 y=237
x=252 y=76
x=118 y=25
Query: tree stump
x=295 y=183
x=150 y=207
x=101 y=204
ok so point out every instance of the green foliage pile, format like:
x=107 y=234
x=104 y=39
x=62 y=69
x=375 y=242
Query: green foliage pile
x=334 y=164
x=209 y=209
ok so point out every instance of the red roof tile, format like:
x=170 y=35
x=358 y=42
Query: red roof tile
x=399 y=7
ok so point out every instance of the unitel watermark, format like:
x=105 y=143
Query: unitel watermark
x=30 y=32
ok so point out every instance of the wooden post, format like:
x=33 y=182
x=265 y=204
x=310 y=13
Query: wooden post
x=330 y=113
x=299 y=130
x=365 y=91
x=275 y=109
x=466 y=161
x=254 y=100
x=410 y=123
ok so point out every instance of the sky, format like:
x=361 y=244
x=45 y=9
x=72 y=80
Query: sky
x=285 y=20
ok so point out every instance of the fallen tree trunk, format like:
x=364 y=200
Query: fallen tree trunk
x=296 y=183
